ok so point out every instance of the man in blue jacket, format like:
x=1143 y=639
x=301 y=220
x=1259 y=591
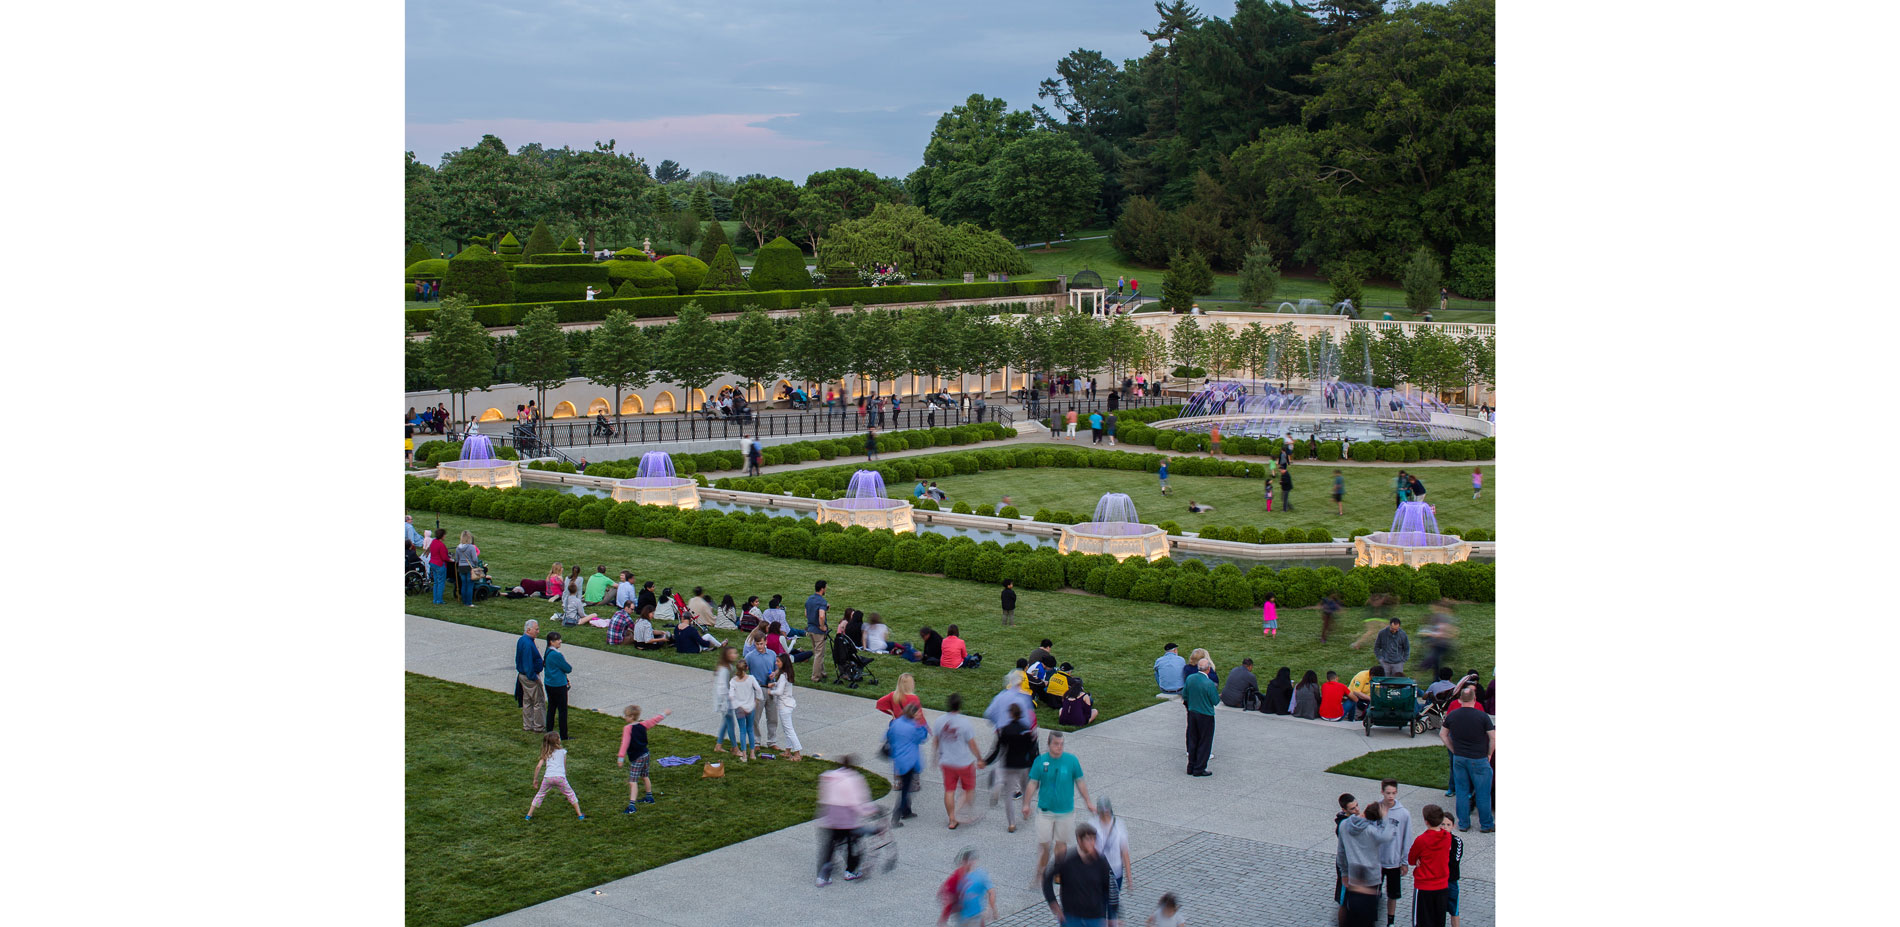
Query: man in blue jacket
x=1169 y=668
x=528 y=664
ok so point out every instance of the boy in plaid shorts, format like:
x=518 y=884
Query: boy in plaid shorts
x=634 y=755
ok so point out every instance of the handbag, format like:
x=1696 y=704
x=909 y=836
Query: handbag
x=713 y=771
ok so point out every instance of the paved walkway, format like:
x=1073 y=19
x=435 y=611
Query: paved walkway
x=1250 y=845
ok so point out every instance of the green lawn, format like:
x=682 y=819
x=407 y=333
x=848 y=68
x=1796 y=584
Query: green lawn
x=1426 y=766
x=1100 y=256
x=1236 y=501
x=470 y=856
x=1112 y=642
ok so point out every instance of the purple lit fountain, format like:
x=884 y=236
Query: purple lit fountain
x=1116 y=530
x=479 y=466
x=864 y=504
x=656 y=484
x=1413 y=541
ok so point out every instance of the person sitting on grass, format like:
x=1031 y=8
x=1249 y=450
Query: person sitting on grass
x=876 y=634
x=952 y=650
x=1306 y=697
x=688 y=638
x=1359 y=693
x=1197 y=508
x=620 y=628
x=1078 y=709
x=644 y=637
x=933 y=647
x=600 y=589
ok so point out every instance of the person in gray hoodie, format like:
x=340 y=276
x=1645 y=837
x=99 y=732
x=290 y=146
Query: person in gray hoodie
x=1392 y=648
x=1362 y=842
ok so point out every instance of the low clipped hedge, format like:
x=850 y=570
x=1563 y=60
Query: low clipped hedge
x=561 y=273
x=688 y=271
x=646 y=278
x=833 y=478
x=649 y=307
x=561 y=259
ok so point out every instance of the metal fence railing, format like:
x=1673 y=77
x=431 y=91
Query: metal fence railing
x=656 y=429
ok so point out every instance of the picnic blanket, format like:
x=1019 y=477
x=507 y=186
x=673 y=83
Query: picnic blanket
x=679 y=760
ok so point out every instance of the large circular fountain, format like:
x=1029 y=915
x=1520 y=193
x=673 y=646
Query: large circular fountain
x=1116 y=531
x=1329 y=409
x=479 y=466
x=864 y=504
x=1413 y=541
x=656 y=484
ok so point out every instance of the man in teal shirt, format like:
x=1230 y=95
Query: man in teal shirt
x=1095 y=427
x=1201 y=696
x=1054 y=779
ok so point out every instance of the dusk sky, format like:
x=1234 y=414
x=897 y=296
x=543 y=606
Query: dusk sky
x=784 y=88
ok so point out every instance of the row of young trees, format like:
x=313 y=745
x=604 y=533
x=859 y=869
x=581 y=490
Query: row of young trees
x=937 y=344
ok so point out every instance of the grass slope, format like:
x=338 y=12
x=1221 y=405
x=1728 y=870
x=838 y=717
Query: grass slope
x=1100 y=256
x=470 y=856
x=1236 y=501
x=1112 y=642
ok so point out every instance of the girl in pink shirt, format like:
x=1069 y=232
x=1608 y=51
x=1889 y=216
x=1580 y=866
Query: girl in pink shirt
x=1269 y=617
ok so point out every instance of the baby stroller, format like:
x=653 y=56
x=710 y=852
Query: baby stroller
x=415 y=573
x=1432 y=716
x=853 y=666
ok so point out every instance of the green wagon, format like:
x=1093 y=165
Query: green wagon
x=1394 y=703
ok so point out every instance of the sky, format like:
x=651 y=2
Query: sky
x=785 y=88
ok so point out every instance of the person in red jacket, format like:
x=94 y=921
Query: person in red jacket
x=1430 y=859
x=1329 y=695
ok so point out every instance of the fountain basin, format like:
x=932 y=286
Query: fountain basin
x=872 y=513
x=675 y=491
x=1408 y=548
x=1120 y=540
x=500 y=474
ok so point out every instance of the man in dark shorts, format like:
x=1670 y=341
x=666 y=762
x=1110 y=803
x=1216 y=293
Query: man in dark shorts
x=1339 y=491
x=1392 y=855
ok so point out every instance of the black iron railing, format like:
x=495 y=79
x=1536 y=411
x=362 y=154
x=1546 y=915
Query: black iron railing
x=697 y=426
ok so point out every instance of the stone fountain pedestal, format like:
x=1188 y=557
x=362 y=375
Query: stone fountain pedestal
x=1114 y=539
x=1407 y=548
x=499 y=474
x=677 y=492
x=894 y=514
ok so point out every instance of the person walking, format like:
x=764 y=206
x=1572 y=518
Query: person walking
x=1286 y=489
x=1108 y=424
x=1269 y=618
x=745 y=695
x=1472 y=738
x=555 y=682
x=817 y=627
x=1392 y=852
x=1095 y=427
x=551 y=770
x=1163 y=473
x=1329 y=607
x=844 y=802
x=1213 y=438
x=1201 y=695
x=722 y=700
x=1112 y=842
x=1016 y=744
x=870 y=444
x=528 y=666
x=905 y=736
x=1477 y=481
x=1401 y=489
x=784 y=702
x=1339 y=491
x=1054 y=779
x=974 y=893
x=1392 y=648
x=1069 y=434
x=633 y=754
x=1009 y=603
x=1086 y=880
x=957 y=760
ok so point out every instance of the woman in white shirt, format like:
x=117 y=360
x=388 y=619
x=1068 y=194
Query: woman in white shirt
x=786 y=702
x=876 y=635
x=744 y=694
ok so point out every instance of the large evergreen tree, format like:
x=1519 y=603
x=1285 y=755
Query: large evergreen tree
x=1260 y=275
x=711 y=241
x=723 y=273
x=1041 y=185
x=540 y=241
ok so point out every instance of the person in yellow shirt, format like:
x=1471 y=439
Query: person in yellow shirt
x=1358 y=698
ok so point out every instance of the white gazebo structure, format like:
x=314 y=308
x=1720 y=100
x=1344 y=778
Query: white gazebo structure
x=1087 y=294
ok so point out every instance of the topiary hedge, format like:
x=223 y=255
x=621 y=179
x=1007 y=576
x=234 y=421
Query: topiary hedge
x=723 y=273
x=427 y=269
x=478 y=275
x=779 y=265
x=494 y=313
x=688 y=271
x=647 y=278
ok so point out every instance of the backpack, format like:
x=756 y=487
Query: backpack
x=1250 y=700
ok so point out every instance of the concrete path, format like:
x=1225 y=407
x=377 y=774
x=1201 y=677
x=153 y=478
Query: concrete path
x=1250 y=845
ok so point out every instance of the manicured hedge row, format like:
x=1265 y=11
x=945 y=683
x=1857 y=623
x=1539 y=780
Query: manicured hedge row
x=908 y=469
x=1131 y=428
x=560 y=273
x=660 y=306
x=1189 y=583
x=801 y=451
x=435 y=452
x=561 y=258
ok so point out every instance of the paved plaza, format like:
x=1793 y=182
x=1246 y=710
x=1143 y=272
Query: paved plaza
x=1250 y=845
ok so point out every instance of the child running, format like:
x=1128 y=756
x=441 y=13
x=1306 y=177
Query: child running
x=1269 y=617
x=1167 y=913
x=1477 y=481
x=554 y=757
x=634 y=755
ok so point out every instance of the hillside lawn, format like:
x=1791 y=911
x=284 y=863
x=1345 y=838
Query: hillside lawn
x=1112 y=642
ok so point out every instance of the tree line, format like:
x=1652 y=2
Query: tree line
x=939 y=344
x=1336 y=134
